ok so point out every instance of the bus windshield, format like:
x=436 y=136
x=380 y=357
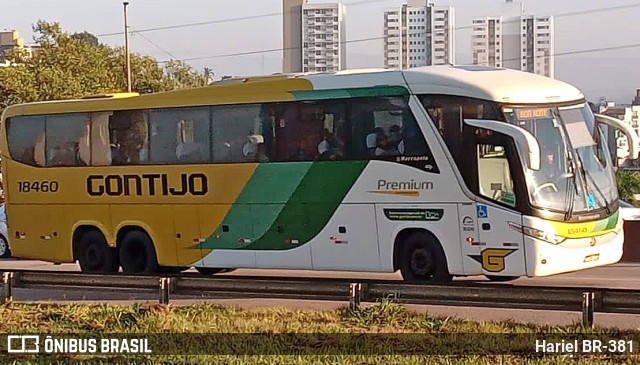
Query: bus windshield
x=575 y=173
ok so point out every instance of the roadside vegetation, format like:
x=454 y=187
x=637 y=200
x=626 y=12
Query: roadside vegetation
x=628 y=185
x=384 y=319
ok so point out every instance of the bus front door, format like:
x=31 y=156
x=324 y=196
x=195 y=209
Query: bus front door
x=501 y=243
x=470 y=244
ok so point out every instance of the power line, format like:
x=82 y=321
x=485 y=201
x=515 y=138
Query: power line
x=355 y=3
x=228 y=20
x=246 y=53
x=566 y=53
x=154 y=44
x=581 y=51
x=569 y=14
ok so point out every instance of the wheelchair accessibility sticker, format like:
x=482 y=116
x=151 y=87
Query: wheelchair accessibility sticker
x=483 y=211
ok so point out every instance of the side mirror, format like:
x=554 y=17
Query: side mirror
x=526 y=143
x=632 y=136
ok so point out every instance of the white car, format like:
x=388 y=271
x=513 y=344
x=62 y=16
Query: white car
x=4 y=241
x=629 y=212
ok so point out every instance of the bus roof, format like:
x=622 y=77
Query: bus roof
x=496 y=84
x=490 y=83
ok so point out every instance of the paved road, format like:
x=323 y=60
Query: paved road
x=623 y=275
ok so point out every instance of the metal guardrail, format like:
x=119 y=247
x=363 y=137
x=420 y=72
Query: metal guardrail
x=586 y=300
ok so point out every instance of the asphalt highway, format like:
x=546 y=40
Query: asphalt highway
x=623 y=275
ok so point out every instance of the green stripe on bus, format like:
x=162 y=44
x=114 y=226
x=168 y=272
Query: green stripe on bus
x=311 y=206
x=259 y=204
x=613 y=221
x=379 y=91
x=315 y=190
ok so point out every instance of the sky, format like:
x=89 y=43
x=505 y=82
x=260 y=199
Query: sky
x=613 y=73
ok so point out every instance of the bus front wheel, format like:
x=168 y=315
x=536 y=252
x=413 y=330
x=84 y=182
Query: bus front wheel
x=423 y=260
x=95 y=255
x=502 y=279
x=137 y=254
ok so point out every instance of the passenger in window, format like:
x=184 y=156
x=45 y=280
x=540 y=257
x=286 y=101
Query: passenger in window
x=132 y=136
x=372 y=140
x=311 y=127
x=252 y=146
x=116 y=157
x=330 y=148
x=28 y=156
x=384 y=148
x=300 y=153
x=395 y=136
x=64 y=155
x=549 y=166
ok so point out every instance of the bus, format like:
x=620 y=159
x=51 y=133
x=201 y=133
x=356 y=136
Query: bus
x=435 y=172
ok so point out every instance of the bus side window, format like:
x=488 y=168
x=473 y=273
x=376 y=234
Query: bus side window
x=100 y=139
x=23 y=134
x=238 y=133
x=384 y=128
x=494 y=174
x=129 y=130
x=63 y=136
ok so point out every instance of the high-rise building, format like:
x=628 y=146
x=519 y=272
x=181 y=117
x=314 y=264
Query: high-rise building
x=11 y=41
x=292 y=35
x=419 y=34
x=514 y=40
x=323 y=37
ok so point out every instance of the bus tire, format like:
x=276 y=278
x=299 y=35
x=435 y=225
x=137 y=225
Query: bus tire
x=137 y=254
x=172 y=269
x=501 y=279
x=208 y=271
x=423 y=260
x=5 y=251
x=94 y=254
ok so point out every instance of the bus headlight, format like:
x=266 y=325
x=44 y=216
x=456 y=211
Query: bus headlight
x=550 y=237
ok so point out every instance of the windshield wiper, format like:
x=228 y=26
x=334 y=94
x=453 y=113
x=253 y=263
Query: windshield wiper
x=571 y=188
x=586 y=175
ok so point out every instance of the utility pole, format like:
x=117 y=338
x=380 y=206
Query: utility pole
x=126 y=45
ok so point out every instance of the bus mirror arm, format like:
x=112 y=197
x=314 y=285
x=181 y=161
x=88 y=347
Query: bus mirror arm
x=632 y=137
x=526 y=143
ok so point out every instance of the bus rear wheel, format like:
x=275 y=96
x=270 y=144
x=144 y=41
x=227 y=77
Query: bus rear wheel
x=137 y=254
x=423 y=260
x=94 y=254
x=172 y=269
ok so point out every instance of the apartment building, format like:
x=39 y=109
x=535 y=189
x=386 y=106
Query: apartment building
x=515 y=40
x=419 y=34
x=323 y=37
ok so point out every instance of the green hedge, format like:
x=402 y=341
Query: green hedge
x=628 y=184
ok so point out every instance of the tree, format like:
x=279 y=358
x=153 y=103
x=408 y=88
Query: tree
x=208 y=75
x=628 y=185
x=69 y=66
x=87 y=37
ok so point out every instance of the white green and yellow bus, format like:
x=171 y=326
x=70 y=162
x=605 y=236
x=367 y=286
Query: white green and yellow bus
x=436 y=172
